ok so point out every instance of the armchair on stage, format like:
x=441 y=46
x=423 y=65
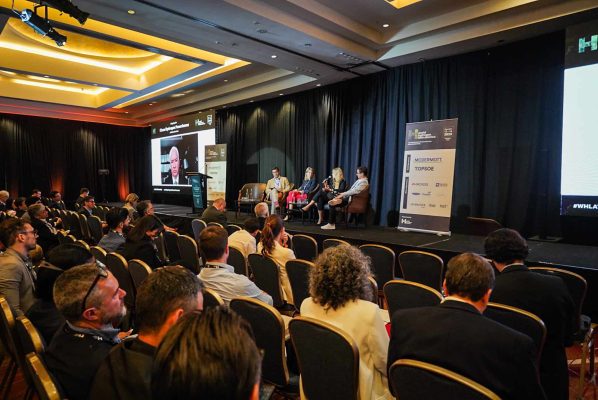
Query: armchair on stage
x=249 y=195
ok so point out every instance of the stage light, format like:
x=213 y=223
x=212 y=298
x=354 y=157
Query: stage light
x=42 y=26
x=67 y=7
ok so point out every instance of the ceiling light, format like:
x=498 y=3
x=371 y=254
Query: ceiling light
x=54 y=86
x=319 y=84
x=131 y=12
x=7 y=72
x=226 y=80
x=251 y=101
x=178 y=95
x=42 y=26
x=385 y=25
x=281 y=94
x=273 y=56
x=67 y=7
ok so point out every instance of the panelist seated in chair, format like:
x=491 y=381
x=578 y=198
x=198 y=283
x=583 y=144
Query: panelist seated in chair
x=215 y=213
x=276 y=189
x=300 y=195
x=342 y=199
x=331 y=186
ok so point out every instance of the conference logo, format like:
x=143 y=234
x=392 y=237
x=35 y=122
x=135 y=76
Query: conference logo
x=209 y=119
x=447 y=133
x=199 y=122
x=591 y=44
x=405 y=221
x=585 y=206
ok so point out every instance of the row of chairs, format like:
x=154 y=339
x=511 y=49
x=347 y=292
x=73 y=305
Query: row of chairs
x=81 y=227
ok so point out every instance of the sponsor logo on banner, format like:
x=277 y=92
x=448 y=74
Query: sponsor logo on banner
x=209 y=119
x=586 y=206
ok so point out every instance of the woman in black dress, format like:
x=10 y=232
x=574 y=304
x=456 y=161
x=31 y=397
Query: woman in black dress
x=331 y=186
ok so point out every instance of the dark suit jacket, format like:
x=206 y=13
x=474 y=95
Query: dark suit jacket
x=182 y=180
x=454 y=335
x=46 y=239
x=143 y=250
x=211 y=214
x=86 y=212
x=549 y=299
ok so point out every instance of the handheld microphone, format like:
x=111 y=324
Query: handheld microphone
x=329 y=177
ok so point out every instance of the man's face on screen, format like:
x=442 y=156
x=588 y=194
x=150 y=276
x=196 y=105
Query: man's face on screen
x=174 y=162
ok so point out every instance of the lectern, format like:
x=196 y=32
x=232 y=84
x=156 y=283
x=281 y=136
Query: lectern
x=198 y=190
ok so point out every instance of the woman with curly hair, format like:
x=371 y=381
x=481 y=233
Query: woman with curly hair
x=274 y=244
x=337 y=286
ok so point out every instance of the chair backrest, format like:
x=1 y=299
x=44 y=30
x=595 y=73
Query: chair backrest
x=328 y=359
x=120 y=269
x=74 y=226
x=7 y=329
x=375 y=292
x=383 y=262
x=172 y=246
x=237 y=260
x=252 y=191
x=422 y=267
x=85 y=233
x=269 y=333
x=401 y=294
x=29 y=337
x=45 y=386
x=62 y=237
x=216 y=224
x=417 y=380
x=95 y=228
x=139 y=270
x=359 y=202
x=99 y=253
x=521 y=321
x=197 y=225
x=66 y=223
x=83 y=244
x=266 y=274
x=188 y=252
x=99 y=212
x=71 y=239
x=333 y=243
x=481 y=226
x=211 y=298
x=305 y=247
x=298 y=273
x=232 y=228
x=161 y=245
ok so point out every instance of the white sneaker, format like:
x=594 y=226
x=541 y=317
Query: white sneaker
x=286 y=218
x=329 y=226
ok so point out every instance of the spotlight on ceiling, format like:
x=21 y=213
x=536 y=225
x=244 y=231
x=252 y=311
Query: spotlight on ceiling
x=42 y=26
x=67 y=7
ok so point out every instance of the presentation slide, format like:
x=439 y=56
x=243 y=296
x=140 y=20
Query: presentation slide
x=178 y=147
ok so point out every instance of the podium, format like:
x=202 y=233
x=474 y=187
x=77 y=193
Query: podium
x=199 y=186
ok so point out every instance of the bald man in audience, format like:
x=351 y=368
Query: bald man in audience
x=215 y=213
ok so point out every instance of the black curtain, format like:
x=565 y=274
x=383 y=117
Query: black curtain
x=55 y=154
x=509 y=103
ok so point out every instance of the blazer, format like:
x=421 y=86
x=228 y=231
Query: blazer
x=285 y=186
x=308 y=185
x=182 y=180
x=46 y=238
x=548 y=298
x=212 y=214
x=454 y=335
x=144 y=250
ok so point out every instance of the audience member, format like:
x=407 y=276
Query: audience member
x=21 y=206
x=56 y=200
x=36 y=256
x=300 y=195
x=208 y=355
x=29 y=201
x=261 y=213
x=140 y=241
x=163 y=297
x=17 y=278
x=36 y=193
x=217 y=275
x=91 y=301
x=88 y=205
x=114 y=240
x=339 y=288
x=11 y=207
x=4 y=195
x=545 y=296
x=276 y=189
x=245 y=239
x=455 y=335
x=145 y=207
x=215 y=213
x=131 y=205
x=43 y=314
x=83 y=193
x=342 y=199
x=46 y=232
x=274 y=244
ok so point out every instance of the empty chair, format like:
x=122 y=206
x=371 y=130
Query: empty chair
x=298 y=273
x=237 y=260
x=85 y=232
x=232 y=228
x=29 y=338
x=328 y=360
x=188 y=252
x=267 y=277
x=172 y=246
x=211 y=298
x=481 y=226
x=383 y=262
x=138 y=270
x=99 y=254
x=402 y=294
x=269 y=332
x=45 y=386
x=249 y=195
x=422 y=267
x=74 y=226
x=94 y=224
x=197 y=225
x=333 y=243
x=305 y=247
x=417 y=380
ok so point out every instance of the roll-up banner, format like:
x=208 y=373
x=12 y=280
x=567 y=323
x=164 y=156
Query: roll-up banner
x=428 y=171
x=216 y=168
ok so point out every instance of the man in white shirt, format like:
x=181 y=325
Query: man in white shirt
x=217 y=275
x=245 y=238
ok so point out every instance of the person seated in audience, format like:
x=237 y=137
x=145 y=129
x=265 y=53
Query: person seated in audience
x=36 y=256
x=29 y=201
x=89 y=203
x=43 y=314
x=140 y=241
x=276 y=189
x=17 y=277
x=245 y=239
x=261 y=213
x=339 y=291
x=217 y=275
x=90 y=299
x=215 y=213
x=542 y=295
x=11 y=207
x=331 y=186
x=162 y=299
x=47 y=235
x=38 y=193
x=274 y=244
x=114 y=240
x=21 y=207
x=83 y=193
x=455 y=335
x=145 y=207
x=4 y=195
x=300 y=194
x=131 y=205
x=342 y=199
x=208 y=355
x=56 y=200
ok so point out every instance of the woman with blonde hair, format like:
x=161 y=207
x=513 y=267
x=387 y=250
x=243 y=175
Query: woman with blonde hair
x=274 y=244
x=331 y=186
x=300 y=194
x=131 y=205
x=338 y=286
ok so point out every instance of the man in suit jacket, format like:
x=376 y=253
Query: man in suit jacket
x=47 y=235
x=56 y=200
x=88 y=205
x=175 y=177
x=276 y=188
x=215 y=213
x=545 y=296
x=455 y=335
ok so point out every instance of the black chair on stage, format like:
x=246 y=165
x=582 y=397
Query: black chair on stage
x=481 y=226
x=249 y=195
x=237 y=260
x=401 y=294
x=298 y=273
x=422 y=267
x=305 y=247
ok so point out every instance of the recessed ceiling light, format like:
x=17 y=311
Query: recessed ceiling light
x=273 y=56
x=251 y=101
x=126 y=112
x=178 y=95
x=223 y=106
x=226 y=80
x=281 y=94
x=319 y=84
x=131 y=12
x=385 y=25
x=8 y=72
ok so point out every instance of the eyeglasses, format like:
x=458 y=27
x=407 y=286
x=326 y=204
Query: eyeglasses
x=102 y=273
x=34 y=231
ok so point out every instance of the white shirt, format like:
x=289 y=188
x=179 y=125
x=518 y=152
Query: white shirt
x=244 y=241
x=229 y=285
